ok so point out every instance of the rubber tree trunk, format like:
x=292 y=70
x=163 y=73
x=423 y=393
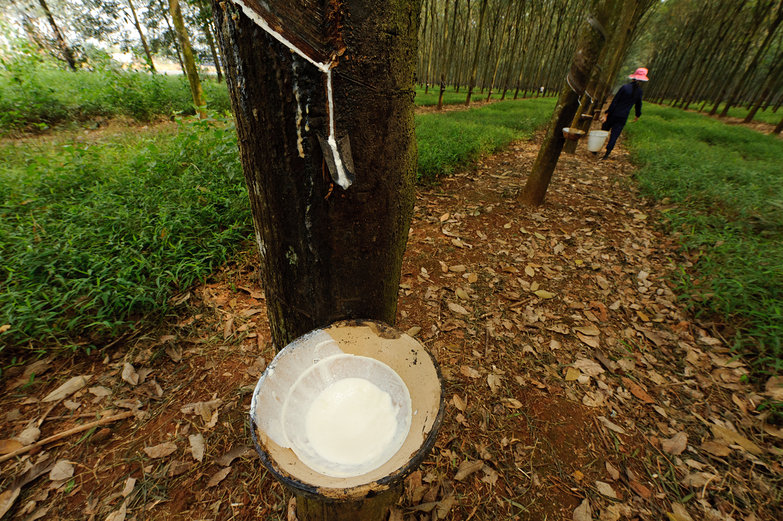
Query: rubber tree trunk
x=64 y=48
x=474 y=67
x=136 y=23
x=588 y=50
x=213 y=50
x=327 y=253
x=190 y=63
x=163 y=11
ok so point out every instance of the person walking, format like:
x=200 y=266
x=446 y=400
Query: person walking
x=628 y=96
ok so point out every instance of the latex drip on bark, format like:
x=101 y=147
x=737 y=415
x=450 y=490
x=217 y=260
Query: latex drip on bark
x=337 y=152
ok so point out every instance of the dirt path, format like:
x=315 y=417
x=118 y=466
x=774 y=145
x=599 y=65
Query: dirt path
x=571 y=373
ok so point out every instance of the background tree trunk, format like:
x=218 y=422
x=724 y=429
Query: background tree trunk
x=64 y=48
x=474 y=67
x=326 y=253
x=190 y=62
x=147 y=53
x=591 y=40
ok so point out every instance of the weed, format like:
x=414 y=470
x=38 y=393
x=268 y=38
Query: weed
x=450 y=140
x=94 y=236
x=728 y=183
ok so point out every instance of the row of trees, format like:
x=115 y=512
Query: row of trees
x=719 y=54
x=497 y=45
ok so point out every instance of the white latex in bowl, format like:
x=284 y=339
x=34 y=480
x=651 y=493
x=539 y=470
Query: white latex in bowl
x=372 y=451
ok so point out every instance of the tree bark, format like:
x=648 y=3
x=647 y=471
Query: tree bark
x=190 y=63
x=474 y=67
x=213 y=50
x=591 y=39
x=136 y=23
x=327 y=253
x=64 y=48
x=163 y=11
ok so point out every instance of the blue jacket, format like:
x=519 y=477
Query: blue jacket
x=627 y=96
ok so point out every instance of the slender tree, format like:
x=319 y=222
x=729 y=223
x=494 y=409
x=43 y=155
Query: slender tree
x=146 y=47
x=474 y=67
x=66 y=50
x=190 y=63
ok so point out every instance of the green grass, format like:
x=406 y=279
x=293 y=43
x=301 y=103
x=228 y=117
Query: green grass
x=454 y=98
x=767 y=116
x=728 y=183
x=37 y=97
x=450 y=140
x=95 y=235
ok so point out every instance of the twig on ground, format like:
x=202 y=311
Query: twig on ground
x=65 y=434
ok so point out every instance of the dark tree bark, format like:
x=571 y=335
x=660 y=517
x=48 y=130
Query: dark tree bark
x=136 y=23
x=327 y=253
x=474 y=67
x=190 y=63
x=64 y=48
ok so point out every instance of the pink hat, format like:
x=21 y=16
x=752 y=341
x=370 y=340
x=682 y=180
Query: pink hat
x=640 y=74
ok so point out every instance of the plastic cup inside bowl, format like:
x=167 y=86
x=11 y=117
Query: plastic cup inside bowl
x=347 y=415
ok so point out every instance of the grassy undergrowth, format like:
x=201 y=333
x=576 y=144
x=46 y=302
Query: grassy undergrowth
x=38 y=97
x=728 y=183
x=761 y=116
x=96 y=234
x=450 y=97
x=453 y=139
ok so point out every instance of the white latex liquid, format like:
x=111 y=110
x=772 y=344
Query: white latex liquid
x=351 y=422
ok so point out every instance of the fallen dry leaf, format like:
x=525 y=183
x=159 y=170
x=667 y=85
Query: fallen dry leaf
x=637 y=390
x=716 y=449
x=237 y=452
x=459 y=403
x=774 y=388
x=29 y=436
x=467 y=467
x=591 y=341
x=68 y=388
x=611 y=426
x=606 y=489
x=161 y=451
x=61 y=471
x=544 y=294
x=129 y=374
x=493 y=381
x=204 y=409
x=130 y=484
x=589 y=367
x=583 y=512
x=456 y=308
x=197 y=446
x=589 y=330
x=572 y=373
x=729 y=436
x=469 y=372
x=444 y=506
x=676 y=444
x=679 y=513
x=219 y=476
x=119 y=514
x=640 y=489
x=698 y=479
x=512 y=403
x=8 y=446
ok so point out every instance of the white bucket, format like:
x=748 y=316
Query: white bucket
x=596 y=140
